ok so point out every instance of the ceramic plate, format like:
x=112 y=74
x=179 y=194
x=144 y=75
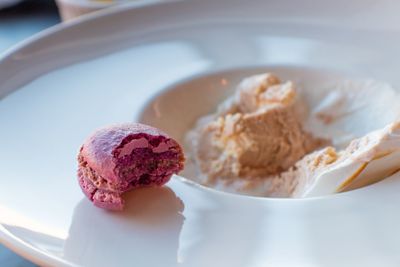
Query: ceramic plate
x=165 y=64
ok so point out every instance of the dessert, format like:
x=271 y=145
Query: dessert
x=119 y=158
x=258 y=134
x=273 y=139
x=365 y=161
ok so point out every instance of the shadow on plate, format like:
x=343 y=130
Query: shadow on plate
x=146 y=233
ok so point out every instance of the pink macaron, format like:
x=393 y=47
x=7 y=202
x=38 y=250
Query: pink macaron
x=119 y=158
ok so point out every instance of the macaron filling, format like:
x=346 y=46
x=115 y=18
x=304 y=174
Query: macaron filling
x=145 y=160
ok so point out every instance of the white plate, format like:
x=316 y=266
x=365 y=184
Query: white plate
x=105 y=69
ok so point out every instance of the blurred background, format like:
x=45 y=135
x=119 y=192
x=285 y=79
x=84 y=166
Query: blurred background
x=20 y=19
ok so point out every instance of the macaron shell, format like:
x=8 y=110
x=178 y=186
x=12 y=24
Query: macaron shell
x=88 y=188
x=101 y=198
x=108 y=200
x=98 y=149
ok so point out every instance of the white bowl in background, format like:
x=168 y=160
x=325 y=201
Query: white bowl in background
x=70 y=9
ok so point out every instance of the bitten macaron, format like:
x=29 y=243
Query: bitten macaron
x=119 y=158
